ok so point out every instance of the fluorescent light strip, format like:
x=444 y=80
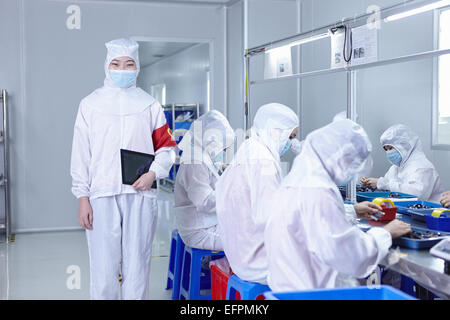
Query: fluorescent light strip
x=423 y=9
x=303 y=41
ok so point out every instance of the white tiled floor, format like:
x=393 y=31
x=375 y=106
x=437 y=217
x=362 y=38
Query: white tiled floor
x=35 y=265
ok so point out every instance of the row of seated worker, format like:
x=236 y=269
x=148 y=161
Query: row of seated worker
x=293 y=233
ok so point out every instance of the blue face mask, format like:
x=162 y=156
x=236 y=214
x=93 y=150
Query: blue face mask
x=286 y=148
x=219 y=158
x=394 y=157
x=123 y=78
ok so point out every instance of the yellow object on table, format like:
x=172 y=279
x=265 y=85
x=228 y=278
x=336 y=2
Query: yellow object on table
x=386 y=202
x=437 y=213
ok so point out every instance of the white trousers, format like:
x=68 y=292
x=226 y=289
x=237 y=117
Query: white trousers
x=123 y=230
x=206 y=239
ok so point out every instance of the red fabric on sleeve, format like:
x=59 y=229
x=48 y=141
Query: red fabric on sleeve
x=162 y=138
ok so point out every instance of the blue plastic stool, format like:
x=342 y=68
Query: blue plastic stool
x=193 y=281
x=175 y=262
x=247 y=290
x=171 y=271
x=178 y=268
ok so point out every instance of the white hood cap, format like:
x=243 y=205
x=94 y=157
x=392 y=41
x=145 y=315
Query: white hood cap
x=111 y=99
x=208 y=136
x=273 y=124
x=342 y=116
x=403 y=139
x=332 y=154
x=121 y=48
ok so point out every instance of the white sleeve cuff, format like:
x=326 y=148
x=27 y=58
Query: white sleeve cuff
x=383 y=241
x=350 y=213
x=159 y=170
x=79 y=193
x=383 y=184
x=164 y=160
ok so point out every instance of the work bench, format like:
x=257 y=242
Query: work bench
x=429 y=272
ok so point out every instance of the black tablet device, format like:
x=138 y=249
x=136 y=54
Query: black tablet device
x=134 y=165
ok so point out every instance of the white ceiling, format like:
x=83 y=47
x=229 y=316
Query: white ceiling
x=152 y=51
x=206 y=2
x=222 y=2
x=211 y=1
x=192 y=1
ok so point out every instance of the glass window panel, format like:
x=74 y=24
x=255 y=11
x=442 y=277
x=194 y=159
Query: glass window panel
x=443 y=126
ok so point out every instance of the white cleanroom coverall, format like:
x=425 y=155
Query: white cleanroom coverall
x=309 y=242
x=110 y=119
x=415 y=175
x=123 y=230
x=195 y=184
x=254 y=174
x=296 y=146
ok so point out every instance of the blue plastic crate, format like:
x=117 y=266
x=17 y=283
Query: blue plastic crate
x=183 y=125
x=343 y=190
x=359 y=293
x=438 y=224
x=403 y=205
x=369 y=196
x=419 y=214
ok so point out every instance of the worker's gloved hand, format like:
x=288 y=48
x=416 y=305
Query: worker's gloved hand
x=85 y=214
x=397 y=228
x=145 y=181
x=363 y=181
x=369 y=182
x=366 y=209
x=446 y=199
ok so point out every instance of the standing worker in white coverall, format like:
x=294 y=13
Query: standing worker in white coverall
x=411 y=172
x=202 y=159
x=310 y=244
x=119 y=219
